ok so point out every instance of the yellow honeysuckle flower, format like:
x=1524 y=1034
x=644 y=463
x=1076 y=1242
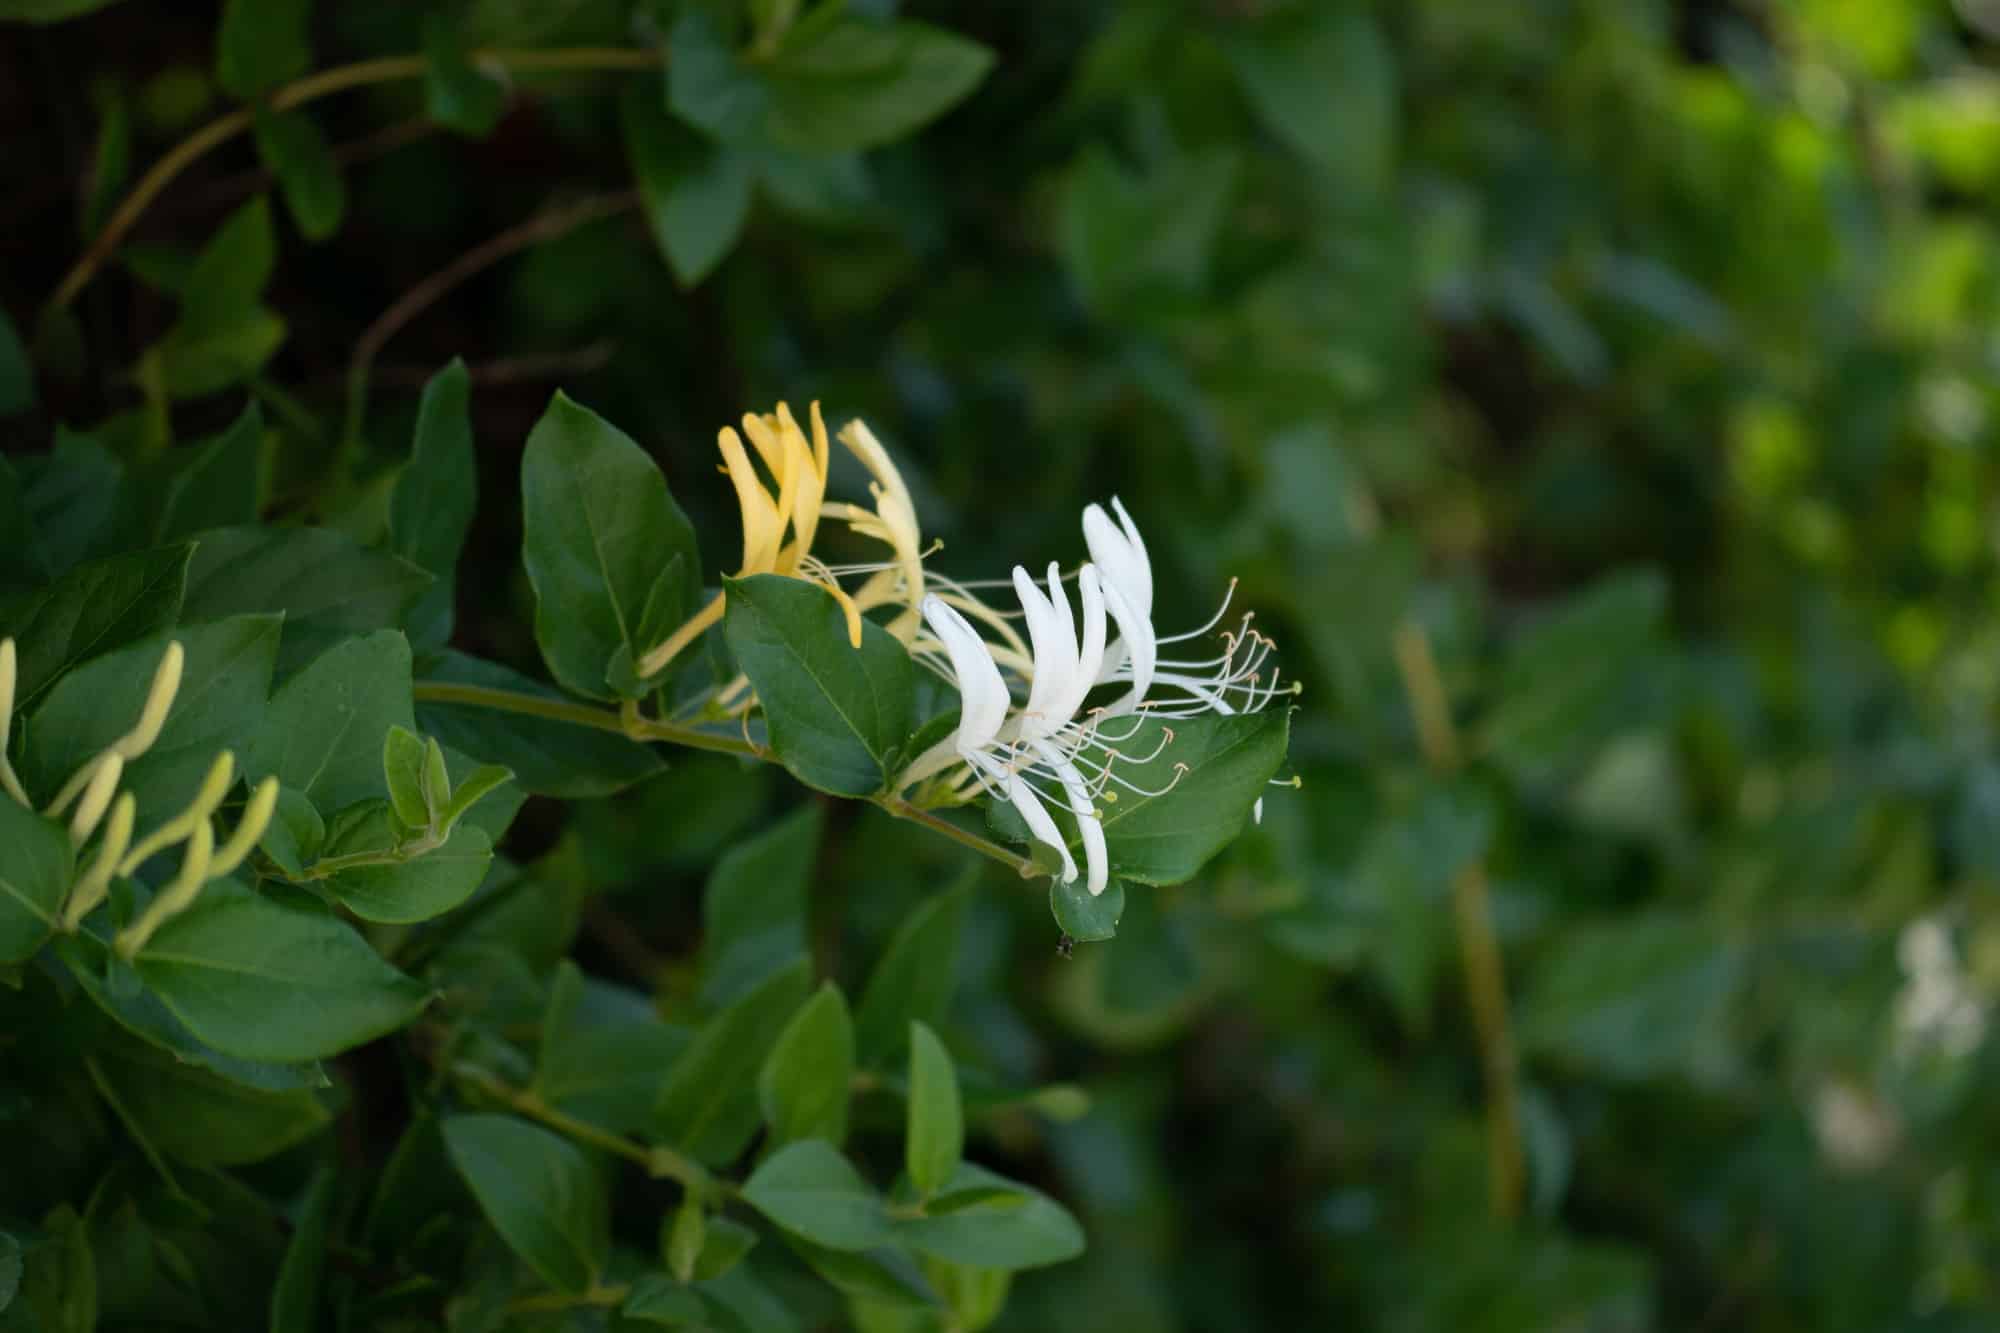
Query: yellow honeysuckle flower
x=792 y=499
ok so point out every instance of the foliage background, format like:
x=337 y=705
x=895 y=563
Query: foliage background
x=1636 y=356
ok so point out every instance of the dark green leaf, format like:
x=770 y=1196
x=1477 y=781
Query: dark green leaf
x=261 y=44
x=291 y=145
x=1010 y=1226
x=1323 y=80
x=72 y=497
x=474 y=787
x=220 y=482
x=548 y=758
x=696 y=192
x=603 y=1052
x=456 y=95
x=91 y=610
x=832 y=86
x=803 y=1088
x=1166 y=838
x=723 y=1247
x=810 y=1189
x=329 y=586
x=1083 y=915
x=25 y=561
x=200 y=1118
x=295 y=834
x=324 y=732
x=265 y=982
x=754 y=908
x=224 y=682
x=659 y=1299
x=935 y=1136
x=540 y=1193
x=914 y=979
x=1635 y=998
x=34 y=876
x=1133 y=244
x=48 y=11
x=837 y=715
x=432 y=505
x=295 y=1297
x=707 y=1107
x=418 y=889
x=600 y=529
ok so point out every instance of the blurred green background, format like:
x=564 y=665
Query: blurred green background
x=1619 y=373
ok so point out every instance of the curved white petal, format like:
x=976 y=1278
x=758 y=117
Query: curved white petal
x=982 y=693
x=1052 y=636
x=1091 y=653
x=1142 y=564
x=1016 y=789
x=1135 y=637
x=1096 y=858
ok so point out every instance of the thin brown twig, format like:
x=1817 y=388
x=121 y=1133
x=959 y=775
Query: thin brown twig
x=311 y=88
x=1479 y=945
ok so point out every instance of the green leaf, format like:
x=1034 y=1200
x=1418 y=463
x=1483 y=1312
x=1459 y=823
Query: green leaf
x=837 y=716
x=483 y=781
x=291 y=145
x=295 y=1297
x=17 y=377
x=1323 y=79
x=329 y=586
x=936 y=1133
x=267 y=982
x=548 y=758
x=696 y=192
x=914 y=979
x=403 y=772
x=417 y=890
x=540 y=1193
x=223 y=335
x=831 y=86
x=753 y=909
x=683 y=1236
x=261 y=44
x=1006 y=1224
x=1570 y=680
x=224 y=681
x=431 y=508
x=810 y=1189
x=723 y=1247
x=24 y=562
x=456 y=95
x=1165 y=839
x=325 y=731
x=220 y=482
x=659 y=1299
x=604 y=1053
x=59 y=1284
x=295 y=834
x=1136 y=244
x=90 y=610
x=1635 y=998
x=707 y=1107
x=803 y=1087
x=1083 y=915
x=34 y=877
x=600 y=529
x=114 y=987
x=199 y=1117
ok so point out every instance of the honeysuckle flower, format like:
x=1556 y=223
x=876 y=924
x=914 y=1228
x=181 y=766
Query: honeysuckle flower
x=1004 y=765
x=791 y=501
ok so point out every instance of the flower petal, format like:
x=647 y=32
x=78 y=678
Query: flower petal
x=982 y=693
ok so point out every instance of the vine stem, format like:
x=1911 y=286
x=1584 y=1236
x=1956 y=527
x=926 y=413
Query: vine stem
x=1479 y=945
x=656 y=1159
x=385 y=69
x=646 y=729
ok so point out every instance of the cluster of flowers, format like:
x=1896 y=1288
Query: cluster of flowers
x=101 y=809
x=1024 y=734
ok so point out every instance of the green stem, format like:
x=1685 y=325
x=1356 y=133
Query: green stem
x=550 y=1301
x=646 y=729
x=314 y=86
x=659 y=1161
